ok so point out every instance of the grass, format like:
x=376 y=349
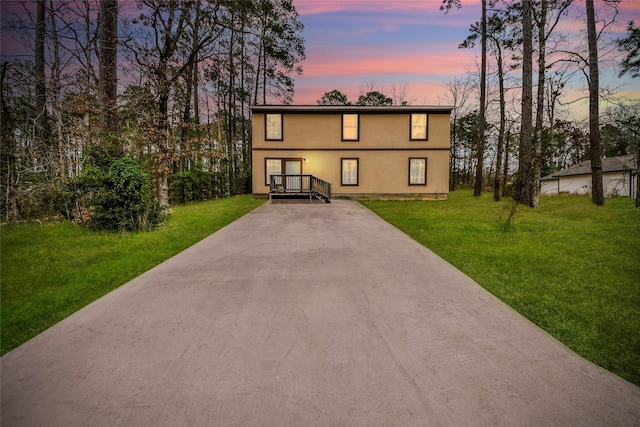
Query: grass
x=569 y=266
x=52 y=269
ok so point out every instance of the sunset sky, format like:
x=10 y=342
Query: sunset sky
x=350 y=43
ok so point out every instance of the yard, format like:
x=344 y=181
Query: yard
x=52 y=269
x=569 y=266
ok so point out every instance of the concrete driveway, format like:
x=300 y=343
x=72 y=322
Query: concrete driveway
x=305 y=314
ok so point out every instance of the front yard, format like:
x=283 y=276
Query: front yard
x=569 y=266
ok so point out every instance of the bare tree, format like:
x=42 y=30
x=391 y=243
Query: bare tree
x=478 y=184
x=480 y=140
x=545 y=22
x=166 y=53
x=399 y=94
x=459 y=91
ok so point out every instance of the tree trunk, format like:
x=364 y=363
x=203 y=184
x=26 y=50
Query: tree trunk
x=42 y=134
x=230 y=112
x=496 y=184
x=477 y=187
x=638 y=181
x=164 y=155
x=8 y=150
x=524 y=193
x=186 y=119
x=537 y=152
x=243 y=138
x=56 y=101
x=505 y=172
x=108 y=65
x=597 y=191
x=453 y=155
x=89 y=77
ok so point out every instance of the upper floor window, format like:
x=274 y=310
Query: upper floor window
x=273 y=127
x=419 y=123
x=350 y=128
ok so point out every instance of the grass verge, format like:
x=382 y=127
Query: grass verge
x=52 y=269
x=569 y=266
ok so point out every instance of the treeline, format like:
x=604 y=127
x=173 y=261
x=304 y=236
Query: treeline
x=511 y=125
x=562 y=144
x=148 y=99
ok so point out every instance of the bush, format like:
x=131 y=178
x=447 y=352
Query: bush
x=117 y=195
x=34 y=198
x=192 y=186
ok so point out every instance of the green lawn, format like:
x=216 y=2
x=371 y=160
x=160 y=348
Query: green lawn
x=52 y=269
x=569 y=266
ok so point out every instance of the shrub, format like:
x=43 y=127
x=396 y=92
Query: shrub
x=117 y=195
x=192 y=186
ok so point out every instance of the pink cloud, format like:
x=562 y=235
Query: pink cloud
x=316 y=7
x=387 y=62
x=418 y=92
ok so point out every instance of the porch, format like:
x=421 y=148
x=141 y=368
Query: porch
x=298 y=187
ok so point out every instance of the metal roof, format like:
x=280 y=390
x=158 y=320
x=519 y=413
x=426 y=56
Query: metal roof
x=388 y=109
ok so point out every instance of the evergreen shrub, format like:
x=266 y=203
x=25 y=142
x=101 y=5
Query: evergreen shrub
x=115 y=195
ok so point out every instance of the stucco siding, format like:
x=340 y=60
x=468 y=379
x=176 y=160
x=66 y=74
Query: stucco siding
x=383 y=150
x=376 y=131
x=378 y=171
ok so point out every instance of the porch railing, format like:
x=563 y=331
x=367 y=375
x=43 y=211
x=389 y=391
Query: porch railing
x=301 y=185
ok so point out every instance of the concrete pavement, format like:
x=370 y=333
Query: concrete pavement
x=303 y=315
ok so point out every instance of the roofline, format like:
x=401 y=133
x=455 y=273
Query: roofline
x=387 y=109
x=574 y=170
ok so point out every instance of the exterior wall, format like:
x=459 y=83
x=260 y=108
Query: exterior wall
x=549 y=187
x=575 y=184
x=383 y=151
x=614 y=183
x=617 y=183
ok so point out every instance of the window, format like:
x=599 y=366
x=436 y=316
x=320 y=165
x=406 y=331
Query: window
x=273 y=127
x=281 y=167
x=349 y=172
x=272 y=167
x=419 y=127
x=350 y=129
x=417 y=171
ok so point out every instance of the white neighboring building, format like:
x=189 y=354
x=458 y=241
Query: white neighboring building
x=619 y=178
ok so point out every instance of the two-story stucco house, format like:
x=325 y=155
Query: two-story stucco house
x=397 y=152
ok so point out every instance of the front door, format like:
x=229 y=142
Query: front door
x=293 y=167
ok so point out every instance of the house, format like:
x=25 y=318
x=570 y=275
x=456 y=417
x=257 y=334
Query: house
x=359 y=152
x=619 y=178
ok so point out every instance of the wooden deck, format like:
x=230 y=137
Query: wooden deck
x=299 y=187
